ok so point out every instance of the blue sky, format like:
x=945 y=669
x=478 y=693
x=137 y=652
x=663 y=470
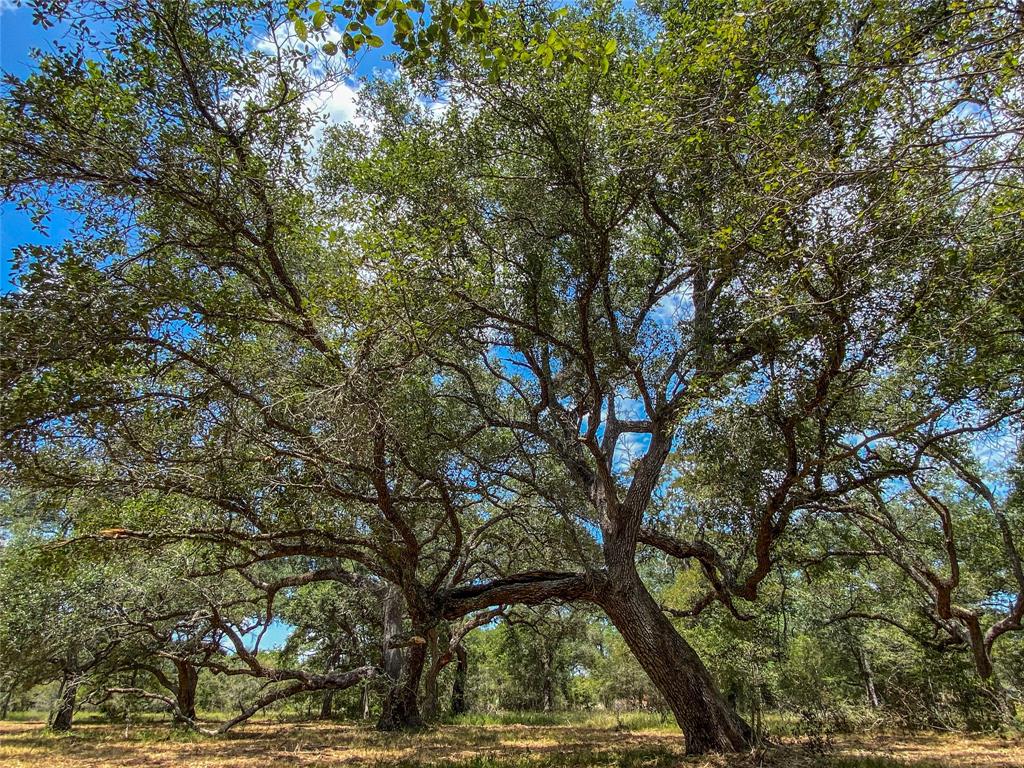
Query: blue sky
x=19 y=37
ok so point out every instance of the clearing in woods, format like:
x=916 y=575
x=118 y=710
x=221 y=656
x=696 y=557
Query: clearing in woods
x=270 y=745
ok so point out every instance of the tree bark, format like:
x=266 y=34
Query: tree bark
x=401 y=706
x=438 y=661
x=65 y=706
x=430 y=694
x=708 y=723
x=547 y=688
x=327 y=705
x=459 y=683
x=393 y=615
x=185 y=692
x=869 y=679
x=403 y=668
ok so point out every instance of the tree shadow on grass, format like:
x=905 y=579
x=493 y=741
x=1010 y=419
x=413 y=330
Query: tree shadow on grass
x=275 y=745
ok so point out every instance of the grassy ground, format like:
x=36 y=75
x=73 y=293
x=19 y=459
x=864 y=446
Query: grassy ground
x=579 y=745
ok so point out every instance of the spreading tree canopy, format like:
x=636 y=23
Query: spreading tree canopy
x=728 y=283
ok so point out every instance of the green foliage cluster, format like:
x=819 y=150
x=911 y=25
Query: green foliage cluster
x=698 y=325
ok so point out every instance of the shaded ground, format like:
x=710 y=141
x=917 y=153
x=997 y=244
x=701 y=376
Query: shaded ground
x=264 y=745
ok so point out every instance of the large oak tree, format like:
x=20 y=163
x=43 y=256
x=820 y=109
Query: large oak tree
x=740 y=232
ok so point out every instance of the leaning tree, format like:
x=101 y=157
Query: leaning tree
x=746 y=239
x=452 y=349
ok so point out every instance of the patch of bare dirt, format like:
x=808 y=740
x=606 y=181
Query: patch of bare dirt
x=266 y=745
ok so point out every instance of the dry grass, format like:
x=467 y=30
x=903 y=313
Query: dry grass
x=266 y=745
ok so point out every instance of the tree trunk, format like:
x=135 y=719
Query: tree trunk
x=547 y=693
x=401 y=709
x=709 y=724
x=459 y=684
x=366 y=701
x=6 y=705
x=403 y=668
x=327 y=705
x=438 y=661
x=185 y=693
x=869 y=679
x=430 y=694
x=65 y=705
x=393 y=614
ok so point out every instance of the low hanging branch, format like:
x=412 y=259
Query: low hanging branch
x=310 y=684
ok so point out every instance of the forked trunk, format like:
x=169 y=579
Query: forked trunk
x=65 y=705
x=708 y=723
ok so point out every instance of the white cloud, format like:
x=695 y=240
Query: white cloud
x=630 y=447
x=336 y=99
x=339 y=104
x=673 y=308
